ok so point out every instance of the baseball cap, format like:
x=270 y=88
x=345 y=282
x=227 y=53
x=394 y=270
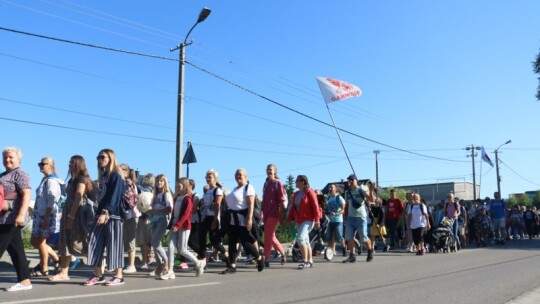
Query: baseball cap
x=352 y=176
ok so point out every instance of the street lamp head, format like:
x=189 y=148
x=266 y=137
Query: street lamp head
x=205 y=12
x=509 y=141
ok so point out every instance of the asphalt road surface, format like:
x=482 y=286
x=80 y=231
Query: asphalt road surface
x=495 y=274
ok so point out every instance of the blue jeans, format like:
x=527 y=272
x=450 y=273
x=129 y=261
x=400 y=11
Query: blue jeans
x=355 y=224
x=456 y=231
x=302 y=232
x=335 y=227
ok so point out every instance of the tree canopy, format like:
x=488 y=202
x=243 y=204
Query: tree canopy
x=536 y=69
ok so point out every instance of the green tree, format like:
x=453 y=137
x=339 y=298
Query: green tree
x=289 y=186
x=512 y=201
x=536 y=69
x=525 y=200
x=536 y=200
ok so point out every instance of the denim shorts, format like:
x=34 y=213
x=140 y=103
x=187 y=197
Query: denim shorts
x=353 y=225
x=302 y=232
x=335 y=227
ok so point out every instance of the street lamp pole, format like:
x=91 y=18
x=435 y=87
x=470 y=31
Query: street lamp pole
x=473 y=154
x=377 y=167
x=180 y=111
x=497 y=166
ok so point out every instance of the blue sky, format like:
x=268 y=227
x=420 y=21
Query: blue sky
x=436 y=77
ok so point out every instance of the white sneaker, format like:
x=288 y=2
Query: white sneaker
x=19 y=287
x=130 y=269
x=169 y=275
x=199 y=269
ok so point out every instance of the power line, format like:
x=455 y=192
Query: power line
x=82 y=72
x=88 y=44
x=85 y=130
x=84 y=114
x=162 y=140
x=311 y=117
x=525 y=179
x=233 y=84
x=126 y=23
x=83 y=24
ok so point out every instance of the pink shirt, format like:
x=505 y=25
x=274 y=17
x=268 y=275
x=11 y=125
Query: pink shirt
x=451 y=211
x=273 y=196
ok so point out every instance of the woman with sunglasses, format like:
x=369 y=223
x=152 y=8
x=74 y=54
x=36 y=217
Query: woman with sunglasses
x=107 y=232
x=45 y=222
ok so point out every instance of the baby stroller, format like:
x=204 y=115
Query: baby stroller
x=442 y=237
x=315 y=240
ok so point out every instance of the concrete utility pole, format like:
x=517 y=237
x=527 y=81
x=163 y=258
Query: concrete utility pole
x=180 y=111
x=497 y=166
x=377 y=167
x=473 y=154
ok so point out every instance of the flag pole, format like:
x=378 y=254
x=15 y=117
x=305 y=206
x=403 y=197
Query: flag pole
x=339 y=136
x=480 y=190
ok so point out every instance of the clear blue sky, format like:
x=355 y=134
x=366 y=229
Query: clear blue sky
x=436 y=76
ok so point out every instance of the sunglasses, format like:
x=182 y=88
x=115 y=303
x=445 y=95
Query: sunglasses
x=42 y=164
x=101 y=157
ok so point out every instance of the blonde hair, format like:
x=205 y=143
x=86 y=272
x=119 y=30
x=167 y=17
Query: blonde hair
x=15 y=150
x=165 y=188
x=186 y=186
x=51 y=163
x=213 y=173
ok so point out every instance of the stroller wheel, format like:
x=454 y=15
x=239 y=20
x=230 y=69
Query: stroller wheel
x=328 y=254
x=296 y=255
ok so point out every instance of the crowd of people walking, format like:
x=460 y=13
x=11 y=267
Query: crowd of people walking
x=106 y=219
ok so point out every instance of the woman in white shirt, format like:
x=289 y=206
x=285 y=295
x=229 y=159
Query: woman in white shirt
x=418 y=218
x=241 y=202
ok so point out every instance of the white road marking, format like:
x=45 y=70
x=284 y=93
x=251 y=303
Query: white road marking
x=112 y=293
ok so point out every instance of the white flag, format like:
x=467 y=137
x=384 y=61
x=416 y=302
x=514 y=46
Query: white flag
x=486 y=158
x=335 y=90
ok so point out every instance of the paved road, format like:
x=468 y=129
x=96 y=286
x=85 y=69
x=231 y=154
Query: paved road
x=500 y=274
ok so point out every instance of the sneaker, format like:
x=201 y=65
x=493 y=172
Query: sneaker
x=115 y=282
x=182 y=266
x=169 y=275
x=350 y=259
x=419 y=252
x=309 y=264
x=301 y=266
x=73 y=264
x=260 y=264
x=19 y=287
x=94 y=281
x=266 y=264
x=369 y=255
x=130 y=269
x=199 y=269
x=386 y=248
x=231 y=270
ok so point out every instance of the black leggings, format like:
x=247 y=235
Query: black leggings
x=11 y=240
x=204 y=229
x=418 y=235
x=240 y=234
